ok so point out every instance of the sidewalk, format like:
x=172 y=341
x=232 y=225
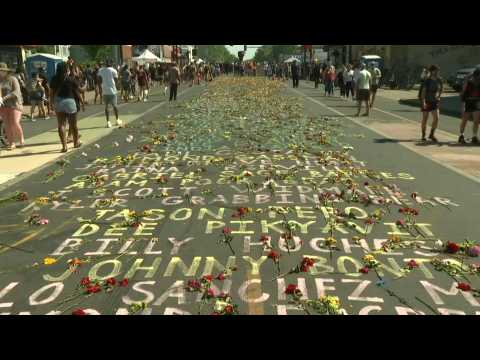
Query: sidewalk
x=44 y=147
x=450 y=104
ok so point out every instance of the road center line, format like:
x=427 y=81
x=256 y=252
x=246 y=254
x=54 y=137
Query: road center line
x=458 y=171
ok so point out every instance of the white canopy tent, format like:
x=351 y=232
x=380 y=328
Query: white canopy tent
x=292 y=59
x=147 y=57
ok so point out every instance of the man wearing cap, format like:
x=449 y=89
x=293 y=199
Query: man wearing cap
x=363 y=82
x=471 y=98
x=109 y=78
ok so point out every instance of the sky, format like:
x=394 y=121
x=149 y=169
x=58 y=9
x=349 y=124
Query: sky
x=236 y=48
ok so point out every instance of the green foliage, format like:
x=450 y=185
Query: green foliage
x=98 y=52
x=272 y=53
x=215 y=53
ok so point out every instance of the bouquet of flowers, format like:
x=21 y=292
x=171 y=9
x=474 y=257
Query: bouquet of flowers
x=17 y=196
x=226 y=238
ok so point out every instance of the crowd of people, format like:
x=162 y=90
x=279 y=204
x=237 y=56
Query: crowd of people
x=64 y=94
x=361 y=83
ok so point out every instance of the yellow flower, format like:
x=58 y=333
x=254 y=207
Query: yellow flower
x=43 y=200
x=331 y=241
x=368 y=258
x=49 y=261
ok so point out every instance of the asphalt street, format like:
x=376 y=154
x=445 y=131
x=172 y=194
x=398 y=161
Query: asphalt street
x=202 y=168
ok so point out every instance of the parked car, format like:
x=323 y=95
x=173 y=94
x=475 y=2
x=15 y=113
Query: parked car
x=462 y=74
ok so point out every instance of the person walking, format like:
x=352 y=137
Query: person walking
x=470 y=97
x=65 y=93
x=295 y=74
x=109 y=78
x=376 y=78
x=363 y=83
x=174 y=79
x=125 y=76
x=143 y=86
x=11 y=106
x=348 y=78
x=430 y=99
x=37 y=96
x=98 y=84
x=341 y=80
x=316 y=73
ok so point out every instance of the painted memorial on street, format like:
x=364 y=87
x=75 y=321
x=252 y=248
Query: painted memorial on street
x=236 y=203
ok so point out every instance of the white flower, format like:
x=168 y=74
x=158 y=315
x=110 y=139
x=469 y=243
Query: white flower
x=97 y=146
x=439 y=243
x=116 y=144
x=84 y=154
x=129 y=138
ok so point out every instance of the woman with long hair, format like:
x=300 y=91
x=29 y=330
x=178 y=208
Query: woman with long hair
x=66 y=95
x=11 y=106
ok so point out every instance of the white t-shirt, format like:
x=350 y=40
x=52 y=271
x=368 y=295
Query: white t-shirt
x=108 y=76
x=363 y=80
x=348 y=76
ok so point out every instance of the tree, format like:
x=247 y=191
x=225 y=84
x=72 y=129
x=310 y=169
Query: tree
x=98 y=52
x=215 y=53
x=272 y=53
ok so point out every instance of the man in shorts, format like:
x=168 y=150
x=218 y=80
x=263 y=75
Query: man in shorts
x=376 y=77
x=363 y=82
x=109 y=78
x=471 y=98
x=431 y=94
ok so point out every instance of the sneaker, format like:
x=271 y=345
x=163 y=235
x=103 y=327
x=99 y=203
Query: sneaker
x=119 y=122
x=475 y=140
x=461 y=139
x=433 y=138
x=109 y=124
x=47 y=117
x=33 y=119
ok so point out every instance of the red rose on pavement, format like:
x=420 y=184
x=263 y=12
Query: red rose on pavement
x=227 y=230
x=464 y=287
x=85 y=281
x=111 y=281
x=306 y=264
x=124 y=282
x=364 y=270
x=369 y=221
x=264 y=238
x=194 y=284
x=452 y=248
x=291 y=289
x=208 y=278
x=221 y=277
x=229 y=309
x=210 y=293
x=412 y=264
x=400 y=223
x=93 y=289
x=79 y=312
x=414 y=195
x=273 y=255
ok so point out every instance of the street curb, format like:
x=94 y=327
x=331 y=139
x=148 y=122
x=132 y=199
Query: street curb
x=416 y=103
x=25 y=175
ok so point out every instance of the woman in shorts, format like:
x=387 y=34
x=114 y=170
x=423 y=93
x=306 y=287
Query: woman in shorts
x=66 y=93
x=471 y=98
x=430 y=98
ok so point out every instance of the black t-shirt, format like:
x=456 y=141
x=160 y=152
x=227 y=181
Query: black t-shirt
x=66 y=89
